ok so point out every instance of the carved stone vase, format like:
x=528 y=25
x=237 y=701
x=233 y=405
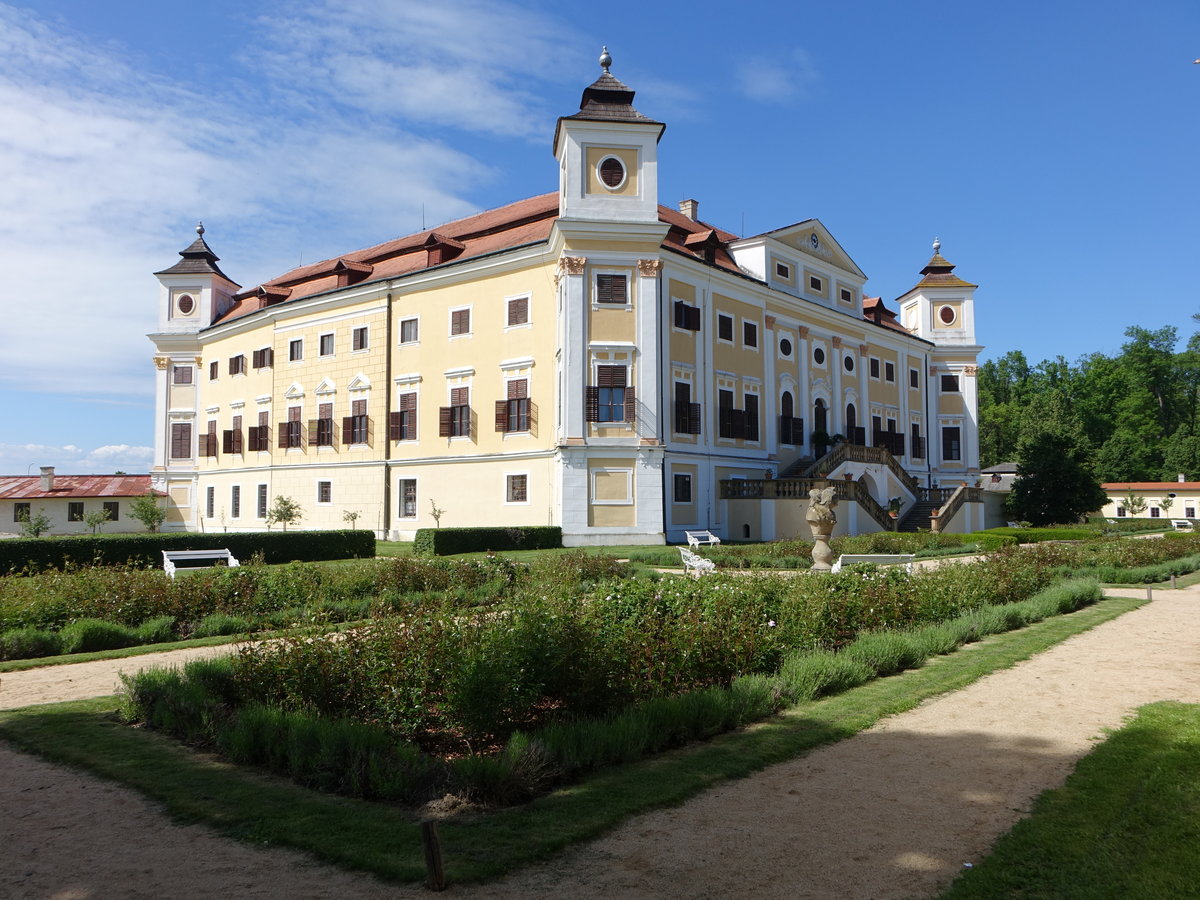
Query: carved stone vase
x=821 y=554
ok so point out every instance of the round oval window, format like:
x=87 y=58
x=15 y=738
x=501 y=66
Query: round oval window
x=946 y=314
x=849 y=363
x=186 y=304
x=819 y=356
x=785 y=347
x=612 y=172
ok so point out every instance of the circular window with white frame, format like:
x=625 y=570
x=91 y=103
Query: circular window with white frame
x=785 y=348
x=611 y=172
x=818 y=356
x=948 y=315
x=185 y=304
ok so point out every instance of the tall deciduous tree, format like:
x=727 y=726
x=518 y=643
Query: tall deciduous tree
x=1055 y=480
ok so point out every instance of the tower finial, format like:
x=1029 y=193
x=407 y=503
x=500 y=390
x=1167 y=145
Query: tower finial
x=200 y=229
x=937 y=245
x=605 y=59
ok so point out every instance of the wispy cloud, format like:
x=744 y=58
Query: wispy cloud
x=469 y=64
x=779 y=79
x=73 y=460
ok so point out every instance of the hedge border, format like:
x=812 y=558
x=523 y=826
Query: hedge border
x=448 y=541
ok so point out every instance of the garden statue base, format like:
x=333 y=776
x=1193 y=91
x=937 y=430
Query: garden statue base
x=821 y=519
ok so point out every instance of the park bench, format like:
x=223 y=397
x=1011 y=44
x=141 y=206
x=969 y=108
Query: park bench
x=693 y=564
x=1180 y=524
x=696 y=538
x=879 y=559
x=196 y=559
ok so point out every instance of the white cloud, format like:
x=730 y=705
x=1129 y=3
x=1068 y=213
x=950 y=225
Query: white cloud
x=467 y=64
x=778 y=80
x=72 y=460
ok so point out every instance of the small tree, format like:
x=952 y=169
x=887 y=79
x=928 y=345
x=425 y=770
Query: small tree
x=284 y=511
x=436 y=513
x=350 y=517
x=1165 y=505
x=1135 y=504
x=146 y=509
x=96 y=518
x=34 y=525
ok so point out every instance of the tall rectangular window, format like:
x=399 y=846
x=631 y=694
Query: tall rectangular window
x=22 y=511
x=75 y=511
x=295 y=349
x=210 y=501
x=113 y=508
x=402 y=424
x=914 y=378
x=358 y=338
x=889 y=371
x=213 y=370
x=409 y=331
x=873 y=363
x=356 y=427
x=687 y=413
x=455 y=419
x=324 y=491
x=724 y=327
x=512 y=413
x=682 y=487
x=235 y=502
x=322 y=435
x=408 y=498
x=460 y=322
x=751 y=401
x=181 y=440
x=951 y=443
x=325 y=345
x=262 y=501
x=687 y=316
x=749 y=334
x=237 y=364
x=610 y=399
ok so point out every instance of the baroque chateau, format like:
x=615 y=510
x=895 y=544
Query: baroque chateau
x=586 y=358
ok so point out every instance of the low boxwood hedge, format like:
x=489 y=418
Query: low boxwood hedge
x=39 y=554
x=447 y=541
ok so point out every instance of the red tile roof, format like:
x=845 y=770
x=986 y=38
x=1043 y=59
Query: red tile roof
x=1151 y=486
x=29 y=487
x=887 y=318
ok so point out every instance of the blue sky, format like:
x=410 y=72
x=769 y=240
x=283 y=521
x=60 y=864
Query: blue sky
x=1052 y=147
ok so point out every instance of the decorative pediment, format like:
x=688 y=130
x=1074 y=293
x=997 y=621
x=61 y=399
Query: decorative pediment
x=295 y=392
x=813 y=239
x=327 y=386
x=360 y=382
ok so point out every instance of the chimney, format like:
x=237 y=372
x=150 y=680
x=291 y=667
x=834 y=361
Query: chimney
x=1181 y=478
x=47 y=478
x=690 y=208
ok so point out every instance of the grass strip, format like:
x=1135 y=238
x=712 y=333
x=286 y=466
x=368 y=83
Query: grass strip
x=385 y=840
x=1125 y=824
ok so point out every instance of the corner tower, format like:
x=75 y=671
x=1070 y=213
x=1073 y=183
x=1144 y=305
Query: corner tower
x=608 y=155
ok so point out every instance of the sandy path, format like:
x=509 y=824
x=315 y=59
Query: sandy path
x=892 y=812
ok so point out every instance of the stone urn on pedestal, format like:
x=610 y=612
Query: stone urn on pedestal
x=821 y=519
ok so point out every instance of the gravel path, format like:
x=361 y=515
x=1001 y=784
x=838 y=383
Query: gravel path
x=894 y=812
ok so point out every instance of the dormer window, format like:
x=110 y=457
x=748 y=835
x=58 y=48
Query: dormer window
x=349 y=273
x=439 y=249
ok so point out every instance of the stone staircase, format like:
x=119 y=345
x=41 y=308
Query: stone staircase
x=919 y=517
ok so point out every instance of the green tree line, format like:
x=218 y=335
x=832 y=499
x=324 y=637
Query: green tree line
x=1135 y=412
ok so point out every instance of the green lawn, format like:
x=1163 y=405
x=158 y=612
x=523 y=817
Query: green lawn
x=385 y=840
x=1126 y=823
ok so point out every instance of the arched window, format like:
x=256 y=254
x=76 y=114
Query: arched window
x=851 y=417
x=820 y=416
x=785 y=404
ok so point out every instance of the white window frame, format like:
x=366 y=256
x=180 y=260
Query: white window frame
x=470 y=332
x=402 y=341
x=629 y=286
x=296 y=342
x=366 y=330
x=400 y=498
x=508 y=491
x=874 y=362
x=733 y=320
x=332 y=335
x=627 y=472
x=624 y=173
x=691 y=477
x=757 y=345
x=528 y=298
x=319 y=501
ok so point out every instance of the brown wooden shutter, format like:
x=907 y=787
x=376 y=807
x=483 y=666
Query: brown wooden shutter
x=370 y=431
x=518 y=311
x=283 y=435
x=394 y=426
x=591 y=403
x=460 y=396
x=237 y=441
x=444 y=427
x=533 y=418
x=694 y=417
x=502 y=415
x=518 y=389
x=693 y=318
x=630 y=405
x=227 y=442
x=358 y=407
x=347 y=429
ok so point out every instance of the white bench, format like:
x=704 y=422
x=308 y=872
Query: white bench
x=695 y=564
x=214 y=558
x=1180 y=524
x=879 y=559
x=696 y=538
